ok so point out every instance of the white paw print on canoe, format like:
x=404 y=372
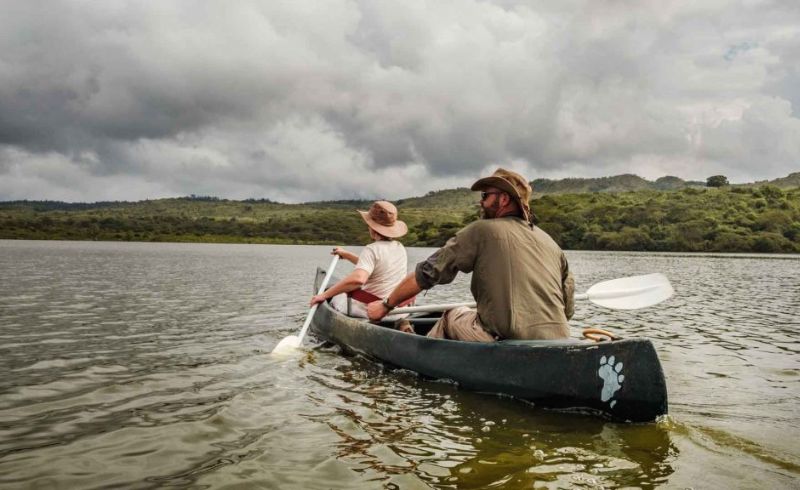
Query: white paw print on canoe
x=612 y=377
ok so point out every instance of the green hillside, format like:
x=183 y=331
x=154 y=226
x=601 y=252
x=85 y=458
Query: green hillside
x=585 y=214
x=458 y=199
x=791 y=180
x=213 y=220
x=728 y=219
x=617 y=183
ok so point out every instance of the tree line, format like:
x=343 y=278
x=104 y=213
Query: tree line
x=715 y=219
x=756 y=219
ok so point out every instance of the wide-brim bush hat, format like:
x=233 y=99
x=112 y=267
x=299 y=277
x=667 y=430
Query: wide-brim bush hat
x=382 y=217
x=512 y=183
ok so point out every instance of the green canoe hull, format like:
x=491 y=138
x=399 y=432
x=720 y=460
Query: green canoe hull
x=620 y=379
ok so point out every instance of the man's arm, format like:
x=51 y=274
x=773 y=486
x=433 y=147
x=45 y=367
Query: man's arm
x=408 y=288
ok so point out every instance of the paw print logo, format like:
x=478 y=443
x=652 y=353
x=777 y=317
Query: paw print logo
x=612 y=377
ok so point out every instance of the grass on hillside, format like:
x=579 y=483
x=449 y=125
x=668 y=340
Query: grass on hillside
x=727 y=219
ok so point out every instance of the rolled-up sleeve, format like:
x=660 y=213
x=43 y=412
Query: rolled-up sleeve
x=457 y=255
x=425 y=272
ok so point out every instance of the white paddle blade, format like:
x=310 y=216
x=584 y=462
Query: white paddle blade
x=631 y=293
x=287 y=345
x=292 y=342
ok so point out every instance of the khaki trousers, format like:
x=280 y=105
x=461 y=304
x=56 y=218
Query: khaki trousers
x=460 y=323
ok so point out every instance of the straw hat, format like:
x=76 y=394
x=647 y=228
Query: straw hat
x=382 y=217
x=511 y=182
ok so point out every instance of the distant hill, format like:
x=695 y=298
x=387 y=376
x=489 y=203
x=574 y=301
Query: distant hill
x=617 y=183
x=631 y=182
x=791 y=180
x=625 y=212
x=670 y=183
x=460 y=197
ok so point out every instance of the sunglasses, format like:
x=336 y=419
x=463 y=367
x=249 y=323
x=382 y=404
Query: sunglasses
x=484 y=195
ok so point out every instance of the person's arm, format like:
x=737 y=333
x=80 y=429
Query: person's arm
x=345 y=254
x=351 y=282
x=408 y=288
x=459 y=254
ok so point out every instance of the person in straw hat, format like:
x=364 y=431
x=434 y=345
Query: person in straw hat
x=520 y=277
x=380 y=267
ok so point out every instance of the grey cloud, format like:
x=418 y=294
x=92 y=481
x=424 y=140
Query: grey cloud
x=297 y=101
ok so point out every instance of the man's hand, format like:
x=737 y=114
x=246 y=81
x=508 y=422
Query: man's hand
x=408 y=288
x=316 y=299
x=376 y=310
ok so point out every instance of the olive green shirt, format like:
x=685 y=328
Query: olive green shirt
x=520 y=277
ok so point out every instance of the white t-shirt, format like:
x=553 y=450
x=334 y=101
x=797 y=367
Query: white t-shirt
x=385 y=262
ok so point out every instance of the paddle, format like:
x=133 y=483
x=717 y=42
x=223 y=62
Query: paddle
x=627 y=293
x=292 y=342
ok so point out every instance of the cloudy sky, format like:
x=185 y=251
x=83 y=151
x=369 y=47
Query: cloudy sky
x=299 y=100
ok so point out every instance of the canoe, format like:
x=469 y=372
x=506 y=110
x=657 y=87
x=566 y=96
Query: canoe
x=621 y=379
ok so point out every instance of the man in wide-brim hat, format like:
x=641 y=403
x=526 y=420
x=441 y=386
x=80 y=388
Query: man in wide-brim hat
x=520 y=276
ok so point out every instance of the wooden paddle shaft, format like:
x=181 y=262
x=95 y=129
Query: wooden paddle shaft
x=431 y=308
x=322 y=287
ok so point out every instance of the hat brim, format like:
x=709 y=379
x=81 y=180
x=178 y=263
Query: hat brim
x=505 y=186
x=397 y=230
x=497 y=182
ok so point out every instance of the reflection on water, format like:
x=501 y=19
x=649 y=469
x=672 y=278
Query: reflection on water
x=395 y=424
x=148 y=365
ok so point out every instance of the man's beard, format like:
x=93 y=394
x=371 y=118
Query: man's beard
x=490 y=212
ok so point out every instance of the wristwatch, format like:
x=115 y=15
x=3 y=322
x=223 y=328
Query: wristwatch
x=386 y=304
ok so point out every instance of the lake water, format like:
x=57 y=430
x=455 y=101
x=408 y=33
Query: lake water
x=141 y=365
